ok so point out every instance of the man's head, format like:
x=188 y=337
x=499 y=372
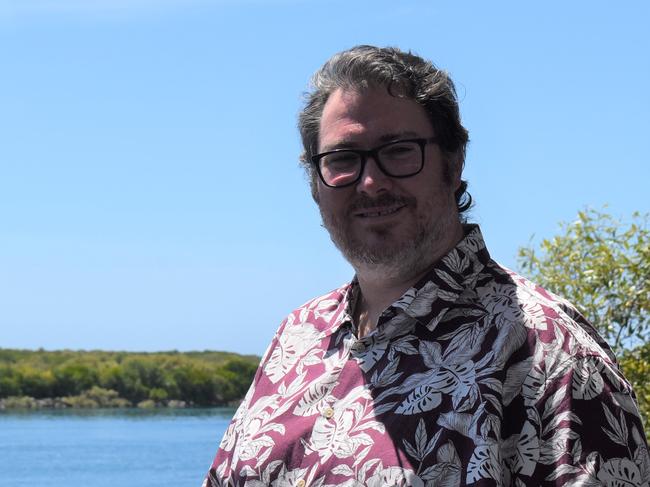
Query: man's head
x=403 y=75
x=385 y=149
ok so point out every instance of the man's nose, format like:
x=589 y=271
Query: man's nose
x=373 y=180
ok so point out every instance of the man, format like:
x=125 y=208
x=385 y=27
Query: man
x=434 y=366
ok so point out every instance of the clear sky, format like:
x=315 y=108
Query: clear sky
x=150 y=197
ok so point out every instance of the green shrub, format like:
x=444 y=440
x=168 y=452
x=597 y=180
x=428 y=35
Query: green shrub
x=157 y=394
x=18 y=402
x=147 y=404
x=636 y=368
x=10 y=382
x=105 y=398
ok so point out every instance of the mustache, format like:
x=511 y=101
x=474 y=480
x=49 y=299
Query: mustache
x=385 y=199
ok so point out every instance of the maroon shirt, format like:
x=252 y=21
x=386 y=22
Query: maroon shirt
x=475 y=376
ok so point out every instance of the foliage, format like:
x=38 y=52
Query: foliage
x=636 y=368
x=18 y=402
x=117 y=379
x=602 y=266
x=101 y=398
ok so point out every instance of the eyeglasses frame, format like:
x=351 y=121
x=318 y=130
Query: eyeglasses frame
x=374 y=152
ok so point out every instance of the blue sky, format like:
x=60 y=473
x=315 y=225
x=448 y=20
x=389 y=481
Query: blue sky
x=150 y=197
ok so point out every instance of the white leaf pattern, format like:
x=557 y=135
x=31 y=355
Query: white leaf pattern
x=625 y=402
x=420 y=400
x=527 y=450
x=384 y=408
x=388 y=375
x=372 y=353
x=447 y=279
x=563 y=469
x=403 y=345
x=291 y=345
x=587 y=382
x=421 y=303
x=411 y=450
x=620 y=471
x=431 y=354
x=463 y=423
x=314 y=398
x=465 y=344
x=510 y=338
x=343 y=469
x=552 y=450
x=484 y=463
x=556 y=419
x=421 y=438
x=617 y=431
x=515 y=378
x=554 y=401
x=455 y=262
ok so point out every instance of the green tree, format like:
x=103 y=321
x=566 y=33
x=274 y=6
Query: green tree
x=9 y=382
x=601 y=265
x=636 y=367
x=37 y=383
x=239 y=373
x=72 y=378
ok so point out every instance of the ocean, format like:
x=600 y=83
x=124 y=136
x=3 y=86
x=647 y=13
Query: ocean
x=109 y=447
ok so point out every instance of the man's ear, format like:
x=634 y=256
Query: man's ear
x=313 y=184
x=453 y=170
x=310 y=172
x=456 y=181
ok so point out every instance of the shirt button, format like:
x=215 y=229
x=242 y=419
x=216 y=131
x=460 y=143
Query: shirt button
x=328 y=413
x=359 y=347
x=301 y=483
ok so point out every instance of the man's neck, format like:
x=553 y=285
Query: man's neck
x=379 y=289
x=375 y=296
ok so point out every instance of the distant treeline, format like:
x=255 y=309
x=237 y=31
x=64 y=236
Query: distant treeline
x=99 y=378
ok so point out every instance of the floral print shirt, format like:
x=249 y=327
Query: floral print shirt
x=475 y=376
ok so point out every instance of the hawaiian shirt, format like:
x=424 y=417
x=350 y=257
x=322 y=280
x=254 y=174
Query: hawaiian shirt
x=475 y=376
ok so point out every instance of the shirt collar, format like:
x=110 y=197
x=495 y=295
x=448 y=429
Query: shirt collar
x=436 y=292
x=446 y=280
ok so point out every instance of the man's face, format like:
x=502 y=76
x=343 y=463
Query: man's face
x=396 y=225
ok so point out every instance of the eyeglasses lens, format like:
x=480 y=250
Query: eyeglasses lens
x=340 y=168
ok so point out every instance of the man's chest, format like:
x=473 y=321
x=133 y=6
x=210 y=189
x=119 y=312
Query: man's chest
x=346 y=408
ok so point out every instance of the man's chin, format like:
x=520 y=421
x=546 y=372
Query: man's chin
x=380 y=253
x=376 y=245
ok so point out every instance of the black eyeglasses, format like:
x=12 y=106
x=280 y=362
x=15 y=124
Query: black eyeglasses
x=399 y=159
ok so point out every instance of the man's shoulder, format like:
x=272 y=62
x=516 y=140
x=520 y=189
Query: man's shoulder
x=500 y=282
x=542 y=312
x=329 y=301
x=304 y=327
x=322 y=311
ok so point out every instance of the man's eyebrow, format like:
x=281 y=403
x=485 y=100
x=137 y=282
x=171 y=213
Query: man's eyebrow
x=398 y=136
x=341 y=144
x=353 y=144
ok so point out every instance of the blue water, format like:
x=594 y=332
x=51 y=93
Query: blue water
x=103 y=448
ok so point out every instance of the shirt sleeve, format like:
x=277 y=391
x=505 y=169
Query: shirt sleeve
x=585 y=429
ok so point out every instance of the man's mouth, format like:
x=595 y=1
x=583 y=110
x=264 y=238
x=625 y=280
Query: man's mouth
x=378 y=212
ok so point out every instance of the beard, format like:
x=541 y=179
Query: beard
x=384 y=251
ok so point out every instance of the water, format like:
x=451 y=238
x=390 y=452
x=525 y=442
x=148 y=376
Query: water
x=116 y=448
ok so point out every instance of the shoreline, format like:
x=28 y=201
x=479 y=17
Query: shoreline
x=83 y=401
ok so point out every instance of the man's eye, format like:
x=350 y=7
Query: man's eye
x=342 y=159
x=399 y=150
